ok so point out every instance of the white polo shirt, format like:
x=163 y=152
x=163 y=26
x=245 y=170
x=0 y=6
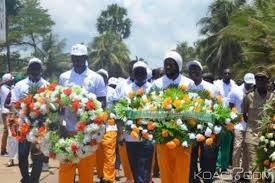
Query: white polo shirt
x=133 y=87
x=224 y=90
x=204 y=85
x=89 y=80
x=4 y=91
x=165 y=82
x=22 y=88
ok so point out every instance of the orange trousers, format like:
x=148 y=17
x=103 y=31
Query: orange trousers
x=174 y=164
x=85 y=171
x=125 y=162
x=106 y=157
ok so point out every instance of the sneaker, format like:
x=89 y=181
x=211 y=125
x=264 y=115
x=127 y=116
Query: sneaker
x=45 y=167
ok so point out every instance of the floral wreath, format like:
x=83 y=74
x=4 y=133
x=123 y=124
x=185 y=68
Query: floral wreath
x=39 y=119
x=175 y=116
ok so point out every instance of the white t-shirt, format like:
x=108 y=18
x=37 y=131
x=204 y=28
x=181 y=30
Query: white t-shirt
x=22 y=88
x=89 y=80
x=133 y=87
x=4 y=91
x=224 y=90
x=165 y=82
x=204 y=85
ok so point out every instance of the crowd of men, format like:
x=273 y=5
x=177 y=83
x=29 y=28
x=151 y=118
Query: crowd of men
x=139 y=158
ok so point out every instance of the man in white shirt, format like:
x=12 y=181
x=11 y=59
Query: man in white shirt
x=180 y=156
x=172 y=70
x=106 y=152
x=21 y=88
x=4 y=92
x=140 y=153
x=209 y=154
x=224 y=88
x=79 y=75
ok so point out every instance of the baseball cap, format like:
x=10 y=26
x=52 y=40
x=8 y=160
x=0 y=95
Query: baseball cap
x=79 y=50
x=249 y=78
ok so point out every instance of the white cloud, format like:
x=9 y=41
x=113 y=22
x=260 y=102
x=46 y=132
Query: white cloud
x=157 y=25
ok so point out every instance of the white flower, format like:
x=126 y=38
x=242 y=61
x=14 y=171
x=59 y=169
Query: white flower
x=193 y=95
x=210 y=125
x=208 y=132
x=266 y=141
x=265 y=149
x=217 y=129
x=144 y=122
x=227 y=120
x=84 y=100
x=179 y=122
x=272 y=156
x=262 y=139
x=80 y=111
x=23 y=105
x=269 y=135
x=91 y=96
x=200 y=127
x=133 y=126
x=184 y=127
x=272 y=143
x=169 y=106
x=129 y=122
x=233 y=115
x=208 y=102
x=144 y=131
x=112 y=115
x=87 y=139
x=150 y=137
x=43 y=109
x=184 y=144
x=192 y=136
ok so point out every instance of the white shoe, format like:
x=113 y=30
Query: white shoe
x=45 y=167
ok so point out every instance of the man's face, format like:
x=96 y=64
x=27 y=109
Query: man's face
x=227 y=74
x=195 y=72
x=140 y=75
x=261 y=81
x=79 y=62
x=35 y=72
x=170 y=67
x=248 y=86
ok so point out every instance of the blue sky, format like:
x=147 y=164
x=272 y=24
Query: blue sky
x=158 y=25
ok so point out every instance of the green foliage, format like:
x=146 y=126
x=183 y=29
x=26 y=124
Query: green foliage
x=114 y=19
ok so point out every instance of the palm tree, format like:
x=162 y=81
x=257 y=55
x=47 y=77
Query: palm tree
x=110 y=53
x=114 y=19
x=217 y=51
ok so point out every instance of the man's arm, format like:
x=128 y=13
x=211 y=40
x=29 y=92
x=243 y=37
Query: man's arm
x=245 y=105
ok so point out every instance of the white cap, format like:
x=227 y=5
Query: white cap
x=103 y=71
x=249 y=78
x=79 y=50
x=175 y=56
x=194 y=62
x=7 y=77
x=113 y=81
x=34 y=60
x=140 y=64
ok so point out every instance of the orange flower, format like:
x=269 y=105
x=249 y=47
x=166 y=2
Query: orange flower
x=266 y=163
x=164 y=133
x=42 y=131
x=183 y=87
x=18 y=104
x=41 y=89
x=67 y=91
x=168 y=101
x=80 y=126
x=27 y=100
x=209 y=141
x=104 y=116
x=230 y=126
x=134 y=134
x=90 y=105
x=177 y=103
x=199 y=100
x=219 y=99
x=75 y=105
x=140 y=92
x=131 y=94
x=74 y=147
x=200 y=138
x=93 y=142
x=151 y=125
x=145 y=136
x=136 y=130
x=191 y=122
x=186 y=98
x=52 y=87
x=99 y=120
x=24 y=128
x=213 y=136
x=171 y=145
x=176 y=141
x=197 y=109
x=111 y=121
